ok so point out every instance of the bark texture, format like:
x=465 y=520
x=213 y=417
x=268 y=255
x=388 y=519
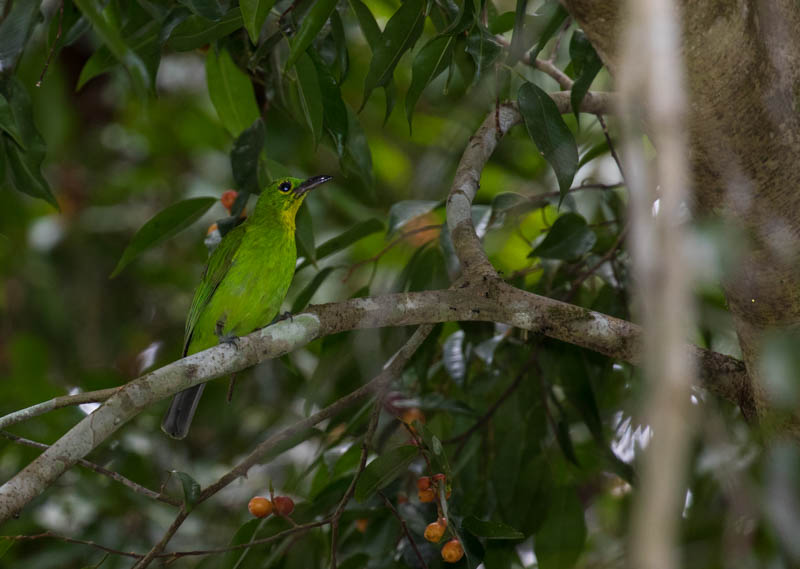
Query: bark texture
x=743 y=82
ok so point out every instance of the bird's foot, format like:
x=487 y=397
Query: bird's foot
x=229 y=339
x=280 y=317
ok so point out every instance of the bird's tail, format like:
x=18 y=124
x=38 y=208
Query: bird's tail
x=179 y=416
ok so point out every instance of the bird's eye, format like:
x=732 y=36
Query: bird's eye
x=285 y=186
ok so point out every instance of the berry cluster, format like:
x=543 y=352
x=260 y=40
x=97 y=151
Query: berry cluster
x=427 y=491
x=262 y=507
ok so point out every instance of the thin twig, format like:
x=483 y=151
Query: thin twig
x=51 y=535
x=56 y=403
x=138 y=488
x=610 y=144
x=55 y=43
x=591 y=270
x=405 y=529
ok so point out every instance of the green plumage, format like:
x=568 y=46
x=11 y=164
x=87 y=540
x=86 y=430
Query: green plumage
x=244 y=284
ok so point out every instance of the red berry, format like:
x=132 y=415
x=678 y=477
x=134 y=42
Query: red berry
x=284 y=505
x=439 y=477
x=260 y=507
x=452 y=551
x=423 y=482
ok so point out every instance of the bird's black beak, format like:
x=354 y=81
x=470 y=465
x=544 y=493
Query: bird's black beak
x=310 y=184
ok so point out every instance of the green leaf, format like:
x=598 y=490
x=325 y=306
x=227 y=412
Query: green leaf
x=145 y=42
x=429 y=63
x=559 y=542
x=501 y=23
x=245 y=155
x=304 y=296
x=191 y=490
x=254 y=12
x=206 y=8
x=555 y=14
x=196 y=31
x=5 y=545
x=586 y=64
x=162 y=226
x=356 y=161
x=309 y=28
x=231 y=92
x=518 y=43
x=24 y=161
x=15 y=29
x=550 y=133
x=490 y=530
x=597 y=150
x=404 y=211
x=245 y=534
x=484 y=49
x=383 y=470
x=304 y=234
x=568 y=238
x=401 y=33
x=344 y=240
x=334 y=110
x=340 y=43
x=111 y=36
x=310 y=95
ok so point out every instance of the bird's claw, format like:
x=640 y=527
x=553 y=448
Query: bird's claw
x=228 y=339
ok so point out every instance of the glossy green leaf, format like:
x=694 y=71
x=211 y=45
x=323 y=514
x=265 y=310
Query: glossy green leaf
x=401 y=33
x=309 y=95
x=231 y=92
x=7 y=122
x=404 y=211
x=24 y=162
x=15 y=29
x=490 y=530
x=340 y=43
x=587 y=65
x=145 y=42
x=111 y=36
x=304 y=234
x=383 y=470
x=245 y=534
x=484 y=49
x=247 y=149
x=559 y=542
x=191 y=490
x=568 y=239
x=209 y=9
x=555 y=14
x=197 y=31
x=372 y=33
x=254 y=13
x=334 y=110
x=356 y=160
x=501 y=23
x=347 y=238
x=304 y=296
x=309 y=28
x=550 y=133
x=162 y=226
x=597 y=150
x=429 y=63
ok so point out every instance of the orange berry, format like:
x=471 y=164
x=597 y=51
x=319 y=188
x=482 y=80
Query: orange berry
x=212 y=228
x=260 y=507
x=435 y=530
x=284 y=505
x=361 y=524
x=227 y=199
x=452 y=551
x=427 y=495
x=423 y=482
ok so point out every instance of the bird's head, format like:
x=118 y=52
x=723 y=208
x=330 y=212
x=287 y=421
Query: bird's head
x=283 y=197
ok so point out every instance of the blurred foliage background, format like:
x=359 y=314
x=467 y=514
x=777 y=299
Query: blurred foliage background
x=553 y=463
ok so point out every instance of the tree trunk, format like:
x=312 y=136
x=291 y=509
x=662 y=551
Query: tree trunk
x=743 y=80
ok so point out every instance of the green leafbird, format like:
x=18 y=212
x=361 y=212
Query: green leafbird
x=244 y=284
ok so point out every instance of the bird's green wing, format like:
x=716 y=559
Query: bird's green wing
x=218 y=265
